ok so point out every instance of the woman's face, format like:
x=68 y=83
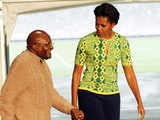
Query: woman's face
x=103 y=26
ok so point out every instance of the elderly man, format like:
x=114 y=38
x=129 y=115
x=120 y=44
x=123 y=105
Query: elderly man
x=28 y=93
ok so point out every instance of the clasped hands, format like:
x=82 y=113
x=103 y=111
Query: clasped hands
x=77 y=114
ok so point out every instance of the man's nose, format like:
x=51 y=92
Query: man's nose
x=51 y=47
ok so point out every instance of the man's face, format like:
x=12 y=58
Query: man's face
x=103 y=26
x=43 y=47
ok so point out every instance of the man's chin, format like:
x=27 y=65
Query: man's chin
x=47 y=57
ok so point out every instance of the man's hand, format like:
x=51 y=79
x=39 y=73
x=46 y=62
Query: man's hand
x=77 y=114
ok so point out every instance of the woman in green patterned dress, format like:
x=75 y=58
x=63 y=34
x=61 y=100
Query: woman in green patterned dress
x=100 y=52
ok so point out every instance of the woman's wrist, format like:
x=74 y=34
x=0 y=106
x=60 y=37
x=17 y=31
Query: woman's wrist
x=75 y=106
x=140 y=103
x=139 y=100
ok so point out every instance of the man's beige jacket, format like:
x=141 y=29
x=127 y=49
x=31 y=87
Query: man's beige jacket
x=28 y=92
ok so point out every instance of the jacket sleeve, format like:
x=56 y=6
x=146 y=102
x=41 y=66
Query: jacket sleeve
x=17 y=81
x=60 y=103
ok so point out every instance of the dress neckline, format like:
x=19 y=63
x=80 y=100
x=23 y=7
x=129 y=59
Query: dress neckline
x=113 y=36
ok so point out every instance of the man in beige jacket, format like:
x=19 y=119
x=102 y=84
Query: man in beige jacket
x=28 y=93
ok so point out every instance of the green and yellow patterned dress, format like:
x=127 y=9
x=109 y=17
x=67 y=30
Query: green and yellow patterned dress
x=101 y=58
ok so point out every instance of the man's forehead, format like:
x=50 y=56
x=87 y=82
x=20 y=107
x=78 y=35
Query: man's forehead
x=42 y=40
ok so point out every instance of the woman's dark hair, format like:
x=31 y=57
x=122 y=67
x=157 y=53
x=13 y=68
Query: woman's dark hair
x=107 y=10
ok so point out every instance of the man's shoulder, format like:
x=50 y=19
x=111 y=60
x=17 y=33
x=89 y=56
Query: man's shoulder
x=22 y=57
x=20 y=60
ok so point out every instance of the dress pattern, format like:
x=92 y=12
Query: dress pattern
x=100 y=57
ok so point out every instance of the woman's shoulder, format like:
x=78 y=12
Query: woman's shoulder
x=89 y=36
x=121 y=38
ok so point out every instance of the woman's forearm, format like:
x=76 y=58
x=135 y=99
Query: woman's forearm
x=74 y=89
x=132 y=81
x=74 y=93
x=75 y=83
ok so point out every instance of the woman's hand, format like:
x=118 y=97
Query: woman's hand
x=141 y=111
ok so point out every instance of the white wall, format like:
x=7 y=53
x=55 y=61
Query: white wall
x=64 y=23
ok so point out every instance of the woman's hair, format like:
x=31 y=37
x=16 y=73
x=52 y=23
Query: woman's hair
x=107 y=10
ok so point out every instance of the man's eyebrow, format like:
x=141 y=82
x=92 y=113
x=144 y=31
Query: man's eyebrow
x=100 y=24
